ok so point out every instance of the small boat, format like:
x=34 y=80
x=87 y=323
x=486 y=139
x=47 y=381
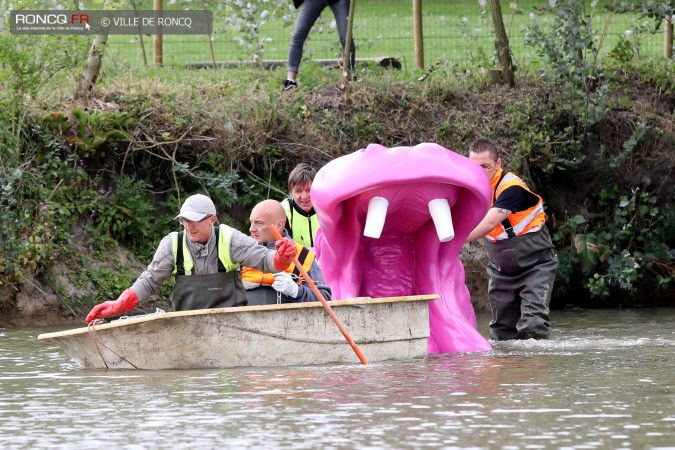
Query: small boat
x=395 y=328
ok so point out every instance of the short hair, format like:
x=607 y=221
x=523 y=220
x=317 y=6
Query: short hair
x=301 y=175
x=482 y=145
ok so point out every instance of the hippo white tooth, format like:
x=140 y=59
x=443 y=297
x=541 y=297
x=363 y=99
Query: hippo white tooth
x=377 y=213
x=442 y=217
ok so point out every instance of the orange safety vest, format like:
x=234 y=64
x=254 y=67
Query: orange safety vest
x=255 y=276
x=517 y=223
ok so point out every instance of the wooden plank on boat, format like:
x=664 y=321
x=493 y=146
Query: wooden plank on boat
x=269 y=335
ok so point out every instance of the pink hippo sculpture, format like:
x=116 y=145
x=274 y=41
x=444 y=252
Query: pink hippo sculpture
x=390 y=195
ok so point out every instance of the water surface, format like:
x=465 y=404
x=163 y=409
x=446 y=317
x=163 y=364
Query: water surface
x=605 y=380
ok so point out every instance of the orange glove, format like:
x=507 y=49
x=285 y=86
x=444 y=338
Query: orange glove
x=126 y=302
x=286 y=250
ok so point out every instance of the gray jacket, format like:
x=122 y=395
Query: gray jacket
x=244 y=250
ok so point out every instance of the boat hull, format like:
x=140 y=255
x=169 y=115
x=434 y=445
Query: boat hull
x=254 y=336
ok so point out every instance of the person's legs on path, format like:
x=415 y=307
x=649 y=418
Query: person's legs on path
x=307 y=17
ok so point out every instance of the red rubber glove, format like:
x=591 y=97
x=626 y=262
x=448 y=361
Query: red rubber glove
x=286 y=250
x=126 y=302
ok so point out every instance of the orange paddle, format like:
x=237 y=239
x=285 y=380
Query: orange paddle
x=323 y=301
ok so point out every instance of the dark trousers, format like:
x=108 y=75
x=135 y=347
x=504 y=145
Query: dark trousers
x=307 y=17
x=521 y=274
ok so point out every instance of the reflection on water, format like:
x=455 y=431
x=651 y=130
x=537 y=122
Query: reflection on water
x=604 y=380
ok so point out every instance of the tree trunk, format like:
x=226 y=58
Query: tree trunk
x=347 y=57
x=87 y=81
x=502 y=44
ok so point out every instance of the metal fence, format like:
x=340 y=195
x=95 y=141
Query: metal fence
x=459 y=31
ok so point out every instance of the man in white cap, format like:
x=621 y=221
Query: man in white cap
x=205 y=260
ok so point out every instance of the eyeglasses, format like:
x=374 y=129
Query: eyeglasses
x=186 y=222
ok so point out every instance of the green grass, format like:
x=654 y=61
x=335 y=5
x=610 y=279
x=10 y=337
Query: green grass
x=457 y=31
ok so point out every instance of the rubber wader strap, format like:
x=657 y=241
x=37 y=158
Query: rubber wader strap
x=221 y=267
x=180 y=268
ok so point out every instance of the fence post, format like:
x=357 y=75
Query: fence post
x=668 y=38
x=157 y=5
x=418 y=33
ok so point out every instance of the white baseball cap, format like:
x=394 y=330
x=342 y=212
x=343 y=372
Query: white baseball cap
x=196 y=208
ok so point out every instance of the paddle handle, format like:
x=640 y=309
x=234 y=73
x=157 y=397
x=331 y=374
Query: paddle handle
x=323 y=301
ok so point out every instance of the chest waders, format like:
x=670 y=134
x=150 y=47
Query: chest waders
x=521 y=273
x=218 y=290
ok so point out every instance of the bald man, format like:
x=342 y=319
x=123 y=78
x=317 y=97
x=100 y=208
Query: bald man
x=281 y=287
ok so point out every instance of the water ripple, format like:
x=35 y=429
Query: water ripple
x=596 y=384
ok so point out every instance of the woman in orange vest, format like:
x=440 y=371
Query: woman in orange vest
x=284 y=286
x=522 y=258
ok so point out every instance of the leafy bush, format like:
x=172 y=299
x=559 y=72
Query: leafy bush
x=632 y=245
x=37 y=207
x=89 y=131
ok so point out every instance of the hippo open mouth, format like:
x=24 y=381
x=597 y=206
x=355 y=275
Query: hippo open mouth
x=393 y=221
